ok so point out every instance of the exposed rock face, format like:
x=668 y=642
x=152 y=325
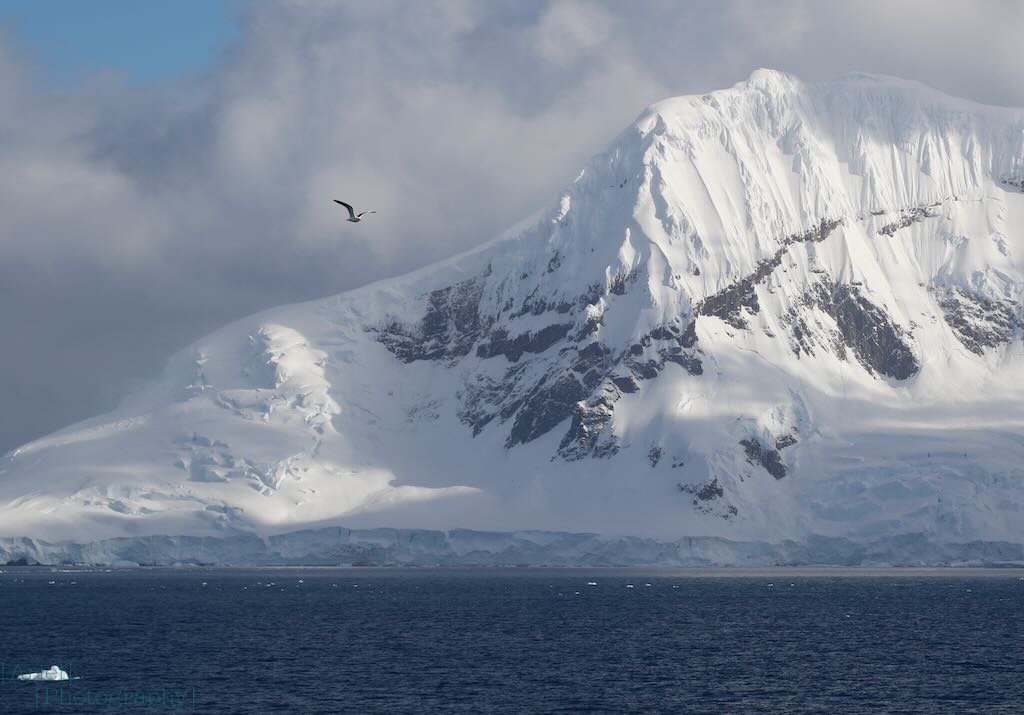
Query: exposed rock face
x=770 y=459
x=786 y=440
x=586 y=378
x=545 y=408
x=646 y=358
x=448 y=331
x=583 y=381
x=589 y=433
x=703 y=492
x=878 y=343
x=706 y=497
x=980 y=323
x=528 y=342
x=907 y=217
x=730 y=302
x=621 y=281
x=626 y=384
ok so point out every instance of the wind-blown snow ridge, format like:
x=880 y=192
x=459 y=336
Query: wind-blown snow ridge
x=774 y=314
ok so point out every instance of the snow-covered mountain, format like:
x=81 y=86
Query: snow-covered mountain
x=782 y=313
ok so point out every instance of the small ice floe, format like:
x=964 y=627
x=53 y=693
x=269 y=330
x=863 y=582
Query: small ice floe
x=53 y=673
x=629 y=585
x=51 y=582
x=591 y=583
x=577 y=593
x=301 y=581
x=647 y=585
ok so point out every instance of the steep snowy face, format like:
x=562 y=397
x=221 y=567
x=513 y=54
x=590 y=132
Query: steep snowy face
x=776 y=310
x=800 y=212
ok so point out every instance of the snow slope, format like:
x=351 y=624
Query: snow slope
x=782 y=313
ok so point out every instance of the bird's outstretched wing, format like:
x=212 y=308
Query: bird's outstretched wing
x=364 y=213
x=351 y=213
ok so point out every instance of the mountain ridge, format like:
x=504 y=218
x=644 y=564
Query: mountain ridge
x=755 y=316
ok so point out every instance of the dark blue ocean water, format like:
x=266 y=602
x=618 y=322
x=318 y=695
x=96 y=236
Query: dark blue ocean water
x=515 y=640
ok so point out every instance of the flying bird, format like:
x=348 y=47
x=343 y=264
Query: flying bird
x=352 y=215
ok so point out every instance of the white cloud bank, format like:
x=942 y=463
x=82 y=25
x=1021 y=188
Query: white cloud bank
x=132 y=220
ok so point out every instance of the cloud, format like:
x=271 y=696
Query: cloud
x=134 y=219
x=570 y=31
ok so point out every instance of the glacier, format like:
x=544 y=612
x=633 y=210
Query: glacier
x=776 y=323
x=384 y=547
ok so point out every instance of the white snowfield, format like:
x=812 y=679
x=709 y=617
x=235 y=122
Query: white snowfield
x=778 y=323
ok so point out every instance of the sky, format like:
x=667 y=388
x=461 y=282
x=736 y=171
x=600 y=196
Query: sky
x=167 y=167
x=141 y=41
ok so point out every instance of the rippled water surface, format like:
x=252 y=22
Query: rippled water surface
x=513 y=640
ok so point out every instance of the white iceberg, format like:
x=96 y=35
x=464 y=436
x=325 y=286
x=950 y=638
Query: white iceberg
x=53 y=673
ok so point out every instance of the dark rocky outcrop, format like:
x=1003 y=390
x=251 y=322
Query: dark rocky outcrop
x=535 y=305
x=546 y=406
x=908 y=217
x=729 y=303
x=621 y=281
x=685 y=337
x=450 y=327
x=528 y=342
x=679 y=351
x=687 y=361
x=580 y=387
x=703 y=492
x=804 y=339
x=706 y=495
x=484 y=398
x=786 y=440
x=587 y=433
x=879 y=344
x=644 y=369
x=586 y=379
x=593 y=355
x=980 y=323
x=768 y=458
x=625 y=383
